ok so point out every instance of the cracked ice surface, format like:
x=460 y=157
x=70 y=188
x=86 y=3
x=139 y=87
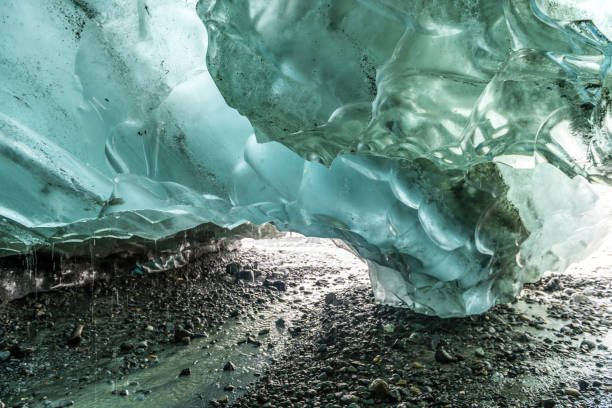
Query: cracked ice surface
x=453 y=144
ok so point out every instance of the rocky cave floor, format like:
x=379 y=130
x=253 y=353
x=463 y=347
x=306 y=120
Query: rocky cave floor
x=305 y=332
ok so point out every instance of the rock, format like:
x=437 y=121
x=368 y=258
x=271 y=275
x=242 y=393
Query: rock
x=467 y=371
x=280 y=323
x=254 y=342
x=330 y=298
x=349 y=398
x=587 y=345
x=5 y=355
x=572 y=392
x=180 y=333
x=229 y=366
x=546 y=403
x=186 y=372
x=126 y=346
x=442 y=356
x=77 y=336
x=379 y=388
x=233 y=268
x=223 y=400
x=18 y=352
x=478 y=351
x=552 y=285
x=144 y=392
x=246 y=275
x=279 y=285
x=149 y=328
x=229 y=388
x=124 y=393
x=389 y=328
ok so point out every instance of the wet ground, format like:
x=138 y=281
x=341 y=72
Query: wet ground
x=296 y=320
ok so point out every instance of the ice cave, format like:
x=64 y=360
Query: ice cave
x=460 y=148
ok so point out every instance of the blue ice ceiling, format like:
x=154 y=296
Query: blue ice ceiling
x=453 y=144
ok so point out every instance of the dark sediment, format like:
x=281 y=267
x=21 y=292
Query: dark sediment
x=548 y=349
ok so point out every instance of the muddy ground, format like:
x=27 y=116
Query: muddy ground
x=297 y=321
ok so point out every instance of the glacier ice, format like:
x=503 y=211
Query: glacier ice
x=459 y=146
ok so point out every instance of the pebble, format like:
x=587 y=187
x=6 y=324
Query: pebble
x=330 y=298
x=18 y=352
x=233 y=268
x=246 y=274
x=77 y=336
x=443 y=356
x=280 y=285
x=571 y=392
x=126 y=346
x=587 y=345
x=186 y=372
x=546 y=403
x=229 y=366
x=379 y=388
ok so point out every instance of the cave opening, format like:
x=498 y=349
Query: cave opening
x=452 y=157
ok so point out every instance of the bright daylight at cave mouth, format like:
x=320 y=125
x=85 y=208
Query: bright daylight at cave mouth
x=290 y=203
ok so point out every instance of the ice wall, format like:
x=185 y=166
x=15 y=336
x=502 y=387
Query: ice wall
x=451 y=143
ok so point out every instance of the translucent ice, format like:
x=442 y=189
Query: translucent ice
x=453 y=144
